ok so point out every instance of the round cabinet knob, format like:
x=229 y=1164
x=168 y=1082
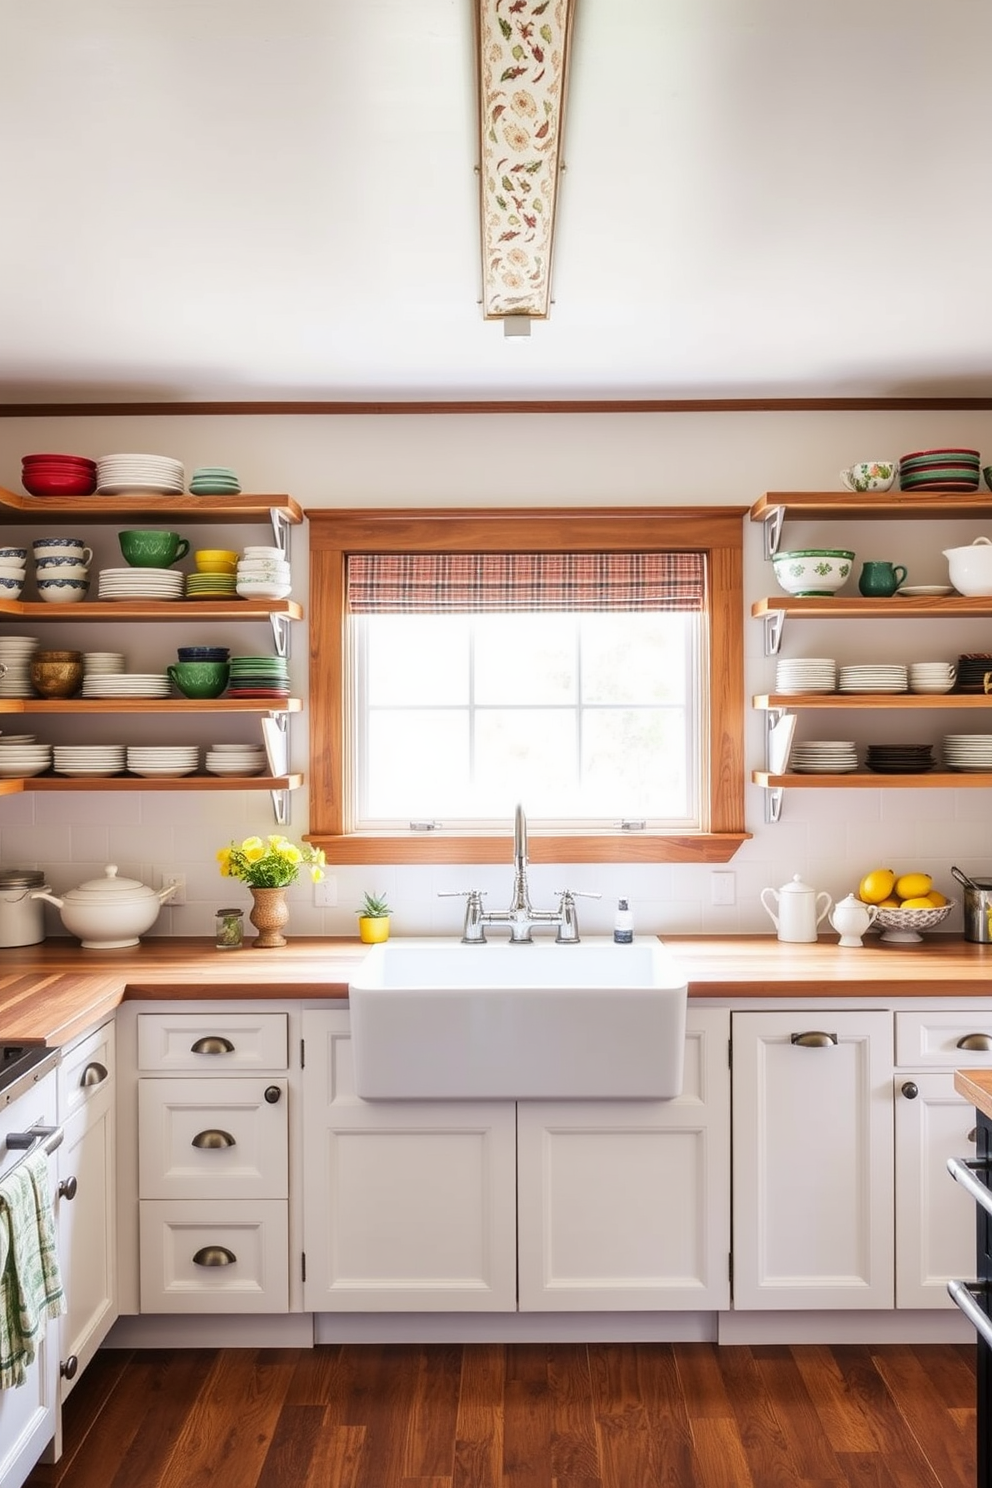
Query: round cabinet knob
x=910 y=1091
x=67 y=1188
x=213 y=1138
x=273 y=1095
x=212 y=1044
x=214 y=1255
x=69 y=1368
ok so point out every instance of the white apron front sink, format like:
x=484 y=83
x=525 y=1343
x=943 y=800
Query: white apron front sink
x=437 y=1020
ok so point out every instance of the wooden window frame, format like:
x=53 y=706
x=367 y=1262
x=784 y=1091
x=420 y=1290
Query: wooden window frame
x=715 y=531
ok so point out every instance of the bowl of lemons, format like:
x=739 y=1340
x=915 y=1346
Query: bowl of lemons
x=907 y=904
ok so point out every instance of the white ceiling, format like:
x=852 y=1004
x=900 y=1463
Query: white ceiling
x=276 y=199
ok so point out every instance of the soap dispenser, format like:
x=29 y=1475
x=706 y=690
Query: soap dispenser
x=623 y=924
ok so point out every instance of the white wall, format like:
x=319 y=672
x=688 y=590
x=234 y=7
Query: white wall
x=829 y=837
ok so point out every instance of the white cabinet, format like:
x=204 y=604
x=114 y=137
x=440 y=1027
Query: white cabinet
x=408 y=1205
x=812 y=1165
x=213 y=1161
x=625 y=1205
x=935 y=1219
x=87 y=1198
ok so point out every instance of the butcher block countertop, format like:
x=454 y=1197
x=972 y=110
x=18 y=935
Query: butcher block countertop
x=56 y=990
x=976 y=1087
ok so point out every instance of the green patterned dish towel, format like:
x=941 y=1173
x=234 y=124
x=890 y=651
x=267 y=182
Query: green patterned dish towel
x=30 y=1279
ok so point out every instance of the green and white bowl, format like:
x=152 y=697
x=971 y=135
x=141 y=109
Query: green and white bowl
x=813 y=571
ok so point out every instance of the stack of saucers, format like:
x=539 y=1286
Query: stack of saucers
x=968 y=751
x=16 y=653
x=165 y=760
x=214 y=480
x=900 y=759
x=21 y=755
x=88 y=759
x=806 y=674
x=126 y=685
x=874 y=677
x=139 y=475
x=824 y=757
x=932 y=676
x=259 y=677
x=210 y=586
x=140 y=583
x=951 y=469
x=102 y=663
x=235 y=759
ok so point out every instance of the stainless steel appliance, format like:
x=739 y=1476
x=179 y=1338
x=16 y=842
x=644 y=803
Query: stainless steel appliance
x=974 y=1297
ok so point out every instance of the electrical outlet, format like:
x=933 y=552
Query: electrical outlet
x=179 y=879
x=723 y=888
x=325 y=893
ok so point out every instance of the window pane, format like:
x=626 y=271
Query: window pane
x=418 y=765
x=519 y=662
x=416 y=660
x=634 y=762
x=529 y=754
x=634 y=658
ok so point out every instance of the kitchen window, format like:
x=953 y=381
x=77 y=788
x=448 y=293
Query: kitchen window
x=587 y=663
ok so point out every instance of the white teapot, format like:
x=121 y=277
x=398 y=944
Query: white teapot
x=799 y=910
x=851 y=918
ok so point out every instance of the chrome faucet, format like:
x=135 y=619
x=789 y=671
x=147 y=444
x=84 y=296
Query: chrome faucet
x=521 y=916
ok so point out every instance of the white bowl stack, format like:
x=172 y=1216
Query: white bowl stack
x=13 y=563
x=235 y=759
x=932 y=676
x=16 y=653
x=21 y=755
x=263 y=573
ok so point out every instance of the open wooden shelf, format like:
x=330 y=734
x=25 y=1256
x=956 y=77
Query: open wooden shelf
x=150 y=705
x=847 y=701
x=148 y=508
x=157 y=783
x=867 y=780
x=38 y=611
x=898 y=607
x=852 y=505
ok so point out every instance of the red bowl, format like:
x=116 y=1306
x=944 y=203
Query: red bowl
x=72 y=483
x=65 y=460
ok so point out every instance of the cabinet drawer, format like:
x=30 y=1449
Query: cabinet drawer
x=213 y=1138
x=934 y=1037
x=87 y=1070
x=179 y=1238
x=211 y=1043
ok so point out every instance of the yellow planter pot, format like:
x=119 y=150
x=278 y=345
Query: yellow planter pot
x=372 y=931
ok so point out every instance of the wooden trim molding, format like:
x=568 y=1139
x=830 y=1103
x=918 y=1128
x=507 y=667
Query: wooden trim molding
x=716 y=531
x=343 y=407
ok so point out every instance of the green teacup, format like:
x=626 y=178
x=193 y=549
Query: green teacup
x=200 y=679
x=152 y=549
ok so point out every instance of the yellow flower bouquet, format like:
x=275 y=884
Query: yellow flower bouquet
x=271 y=862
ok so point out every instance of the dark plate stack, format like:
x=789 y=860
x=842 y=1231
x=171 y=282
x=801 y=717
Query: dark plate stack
x=900 y=759
x=972 y=667
x=951 y=469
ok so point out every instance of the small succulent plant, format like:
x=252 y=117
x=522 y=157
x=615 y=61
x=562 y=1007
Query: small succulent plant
x=374 y=907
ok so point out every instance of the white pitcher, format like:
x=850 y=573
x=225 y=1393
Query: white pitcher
x=799 y=910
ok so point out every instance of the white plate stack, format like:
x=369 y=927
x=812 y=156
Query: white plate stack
x=88 y=759
x=15 y=654
x=968 y=752
x=126 y=685
x=141 y=583
x=932 y=676
x=20 y=755
x=874 y=677
x=235 y=759
x=102 y=663
x=163 y=761
x=140 y=475
x=824 y=757
x=806 y=674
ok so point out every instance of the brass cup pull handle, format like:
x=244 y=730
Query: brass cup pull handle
x=93 y=1074
x=981 y=1042
x=214 y=1255
x=68 y=1188
x=213 y=1043
x=815 y=1039
x=212 y=1138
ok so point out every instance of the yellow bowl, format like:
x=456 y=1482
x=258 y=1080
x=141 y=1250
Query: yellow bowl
x=215 y=560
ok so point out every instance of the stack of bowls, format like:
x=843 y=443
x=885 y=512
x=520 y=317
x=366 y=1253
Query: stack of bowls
x=932 y=676
x=235 y=759
x=263 y=573
x=214 y=480
x=58 y=475
x=20 y=756
x=16 y=653
x=12 y=567
x=949 y=469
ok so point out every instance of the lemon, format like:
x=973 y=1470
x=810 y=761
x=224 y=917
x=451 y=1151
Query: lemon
x=913 y=885
x=889 y=904
x=919 y=902
x=936 y=898
x=877 y=885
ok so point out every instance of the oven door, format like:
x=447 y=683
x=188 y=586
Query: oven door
x=29 y=1412
x=973 y=1297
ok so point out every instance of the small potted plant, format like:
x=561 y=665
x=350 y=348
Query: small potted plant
x=373 y=919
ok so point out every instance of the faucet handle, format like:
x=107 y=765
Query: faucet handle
x=474 y=931
x=461 y=893
x=577 y=894
x=568 y=923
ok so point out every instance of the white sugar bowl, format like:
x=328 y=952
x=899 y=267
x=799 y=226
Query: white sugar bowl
x=851 y=918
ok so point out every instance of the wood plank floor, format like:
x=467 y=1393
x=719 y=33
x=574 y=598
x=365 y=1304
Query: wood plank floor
x=524 y=1416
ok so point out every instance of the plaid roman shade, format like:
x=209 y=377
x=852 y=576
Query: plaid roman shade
x=451 y=583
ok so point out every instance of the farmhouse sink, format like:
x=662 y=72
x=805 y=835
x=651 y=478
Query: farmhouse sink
x=438 y=1020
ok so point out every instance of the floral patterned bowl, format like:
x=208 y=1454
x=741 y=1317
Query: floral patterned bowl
x=904 y=926
x=813 y=571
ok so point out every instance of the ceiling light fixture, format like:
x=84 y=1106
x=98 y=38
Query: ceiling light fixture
x=523 y=48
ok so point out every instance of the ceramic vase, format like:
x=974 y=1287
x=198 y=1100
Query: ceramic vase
x=372 y=930
x=269 y=912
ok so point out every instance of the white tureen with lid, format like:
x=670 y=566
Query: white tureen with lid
x=109 y=912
